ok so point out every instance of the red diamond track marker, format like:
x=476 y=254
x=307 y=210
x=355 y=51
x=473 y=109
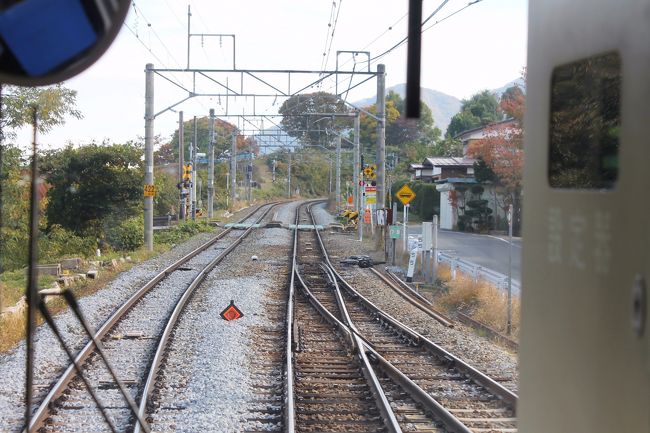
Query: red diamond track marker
x=231 y=312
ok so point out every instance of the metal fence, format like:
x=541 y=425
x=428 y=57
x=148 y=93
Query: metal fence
x=477 y=272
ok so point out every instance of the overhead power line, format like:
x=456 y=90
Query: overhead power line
x=403 y=41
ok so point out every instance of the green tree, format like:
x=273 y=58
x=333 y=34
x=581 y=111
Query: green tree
x=14 y=209
x=54 y=104
x=404 y=131
x=301 y=119
x=91 y=183
x=481 y=109
x=167 y=197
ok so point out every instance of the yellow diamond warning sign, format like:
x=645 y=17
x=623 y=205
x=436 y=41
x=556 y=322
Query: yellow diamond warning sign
x=405 y=195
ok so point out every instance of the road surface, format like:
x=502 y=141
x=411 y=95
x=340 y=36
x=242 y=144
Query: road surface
x=485 y=250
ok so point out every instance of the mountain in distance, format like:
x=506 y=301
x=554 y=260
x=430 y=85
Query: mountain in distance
x=443 y=107
x=519 y=82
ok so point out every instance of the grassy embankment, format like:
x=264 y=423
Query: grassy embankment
x=480 y=300
x=12 y=284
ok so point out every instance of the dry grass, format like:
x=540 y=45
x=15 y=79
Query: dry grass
x=482 y=301
x=12 y=325
x=12 y=330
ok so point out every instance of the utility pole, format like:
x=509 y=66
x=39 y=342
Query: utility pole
x=338 y=171
x=148 y=155
x=194 y=180
x=211 y=167
x=356 y=170
x=289 y=177
x=182 y=205
x=381 y=136
x=330 y=175
x=381 y=150
x=233 y=168
x=249 y=172
x=509 y=319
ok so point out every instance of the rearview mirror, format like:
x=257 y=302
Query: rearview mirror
x=44 y=42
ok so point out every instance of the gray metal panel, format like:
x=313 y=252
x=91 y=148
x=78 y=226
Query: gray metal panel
x=583 y=369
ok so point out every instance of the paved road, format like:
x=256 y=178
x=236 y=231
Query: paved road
x=484 y=250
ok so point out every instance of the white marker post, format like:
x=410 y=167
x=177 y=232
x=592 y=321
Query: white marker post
x=406 y=223
x=435 y=248
x=427 y=245
x=412 y=259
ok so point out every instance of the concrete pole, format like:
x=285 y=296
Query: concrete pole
x=381 y=152
x=211 y=167
x=289 y=177
x=182 y=207
x=194 y=180
x=148 y=155
x=330 y=175
x=233 y=168
x=381 y=137
x=509 y=324
x=338 y=172
x=356 y=175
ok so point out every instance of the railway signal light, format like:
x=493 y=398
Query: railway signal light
x=187 y=172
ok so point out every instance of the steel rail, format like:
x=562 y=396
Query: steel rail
x=178 y=309
x=377 y=391
x=491 y=333
x=414 y=298
x=387 y=414
x=41 y=414
x=414 y=390
x=289 y=400
x=480 y=378
x=451 y=423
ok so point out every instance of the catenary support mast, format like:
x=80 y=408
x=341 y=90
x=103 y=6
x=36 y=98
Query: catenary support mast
x=148 y=155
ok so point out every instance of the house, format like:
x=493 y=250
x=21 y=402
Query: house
x=471 y=135
x=457 y=193
x=439 y=168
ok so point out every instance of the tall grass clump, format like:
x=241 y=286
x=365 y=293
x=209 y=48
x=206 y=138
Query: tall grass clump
x=480 y=300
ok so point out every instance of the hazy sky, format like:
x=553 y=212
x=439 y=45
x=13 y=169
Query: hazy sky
x=480 y=47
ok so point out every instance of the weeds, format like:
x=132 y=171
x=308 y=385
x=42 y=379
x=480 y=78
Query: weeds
x=484 y=302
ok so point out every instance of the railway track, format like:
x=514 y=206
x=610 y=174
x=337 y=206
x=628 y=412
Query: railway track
x=454 y=393
x=133 y=339
x=205 y=394
x=335 y=387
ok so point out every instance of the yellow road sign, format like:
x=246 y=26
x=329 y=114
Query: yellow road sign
x=405 y=195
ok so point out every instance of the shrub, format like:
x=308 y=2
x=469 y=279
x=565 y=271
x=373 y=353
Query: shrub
x=127 y=235
x=59 y=242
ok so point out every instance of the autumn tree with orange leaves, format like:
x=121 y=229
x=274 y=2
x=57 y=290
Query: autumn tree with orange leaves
x=502 y=152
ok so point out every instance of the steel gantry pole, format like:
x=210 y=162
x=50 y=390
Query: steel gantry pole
x=381 y=136
x=211 y=167
x=148 y=155
x=356 y=171
x=233 y=168
x=182 y=206
x=289 y=176
x=338 y=171
x=194 y=172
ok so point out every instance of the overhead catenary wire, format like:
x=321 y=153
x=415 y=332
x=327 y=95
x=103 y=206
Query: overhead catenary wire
x=327 y=35
x=403 y=41
x=336 y=20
